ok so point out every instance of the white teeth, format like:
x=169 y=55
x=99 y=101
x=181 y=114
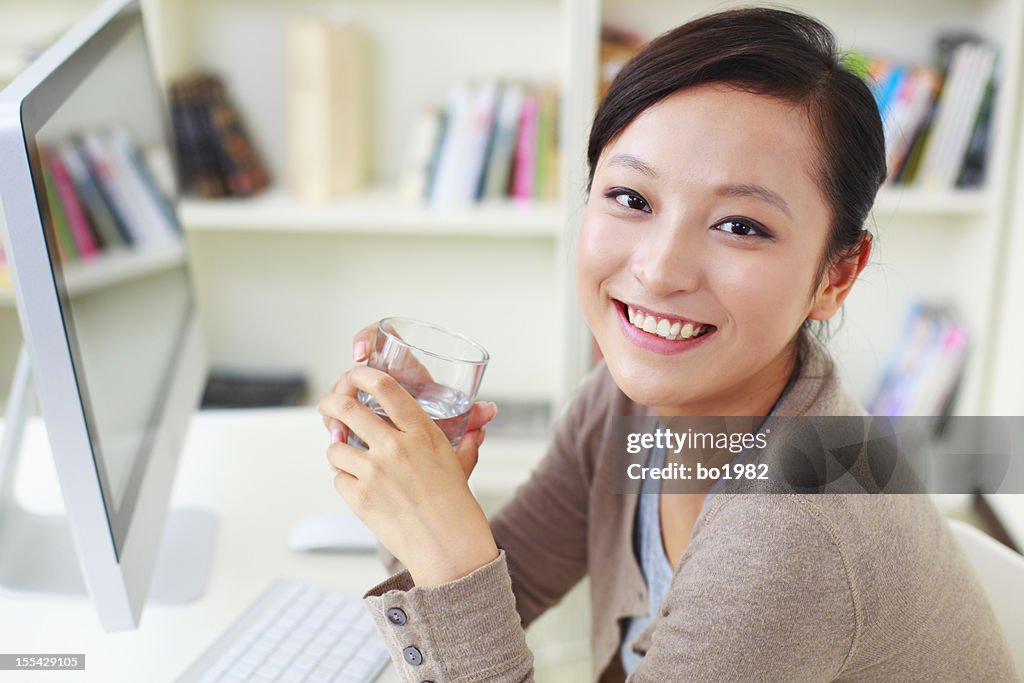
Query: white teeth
x=664 y=328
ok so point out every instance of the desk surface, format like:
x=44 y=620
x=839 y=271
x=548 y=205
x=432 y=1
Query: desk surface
x=260 y=472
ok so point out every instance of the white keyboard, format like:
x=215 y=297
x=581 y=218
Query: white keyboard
x=295 y=633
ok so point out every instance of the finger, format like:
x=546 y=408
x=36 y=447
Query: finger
x=354 y=415
x=361 y=342
x=480 y=414
x=399 y=405
x=338 y=431
x=349 y=459
x=468 y=451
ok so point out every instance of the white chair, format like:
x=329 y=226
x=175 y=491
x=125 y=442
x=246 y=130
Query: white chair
x=1002 y=577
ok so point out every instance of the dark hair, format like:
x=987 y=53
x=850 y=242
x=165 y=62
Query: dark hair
x=773 y=52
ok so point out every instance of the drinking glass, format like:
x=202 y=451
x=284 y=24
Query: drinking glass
x=441 y=369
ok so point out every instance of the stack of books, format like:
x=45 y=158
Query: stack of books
x=102 y=193
x=493 y=141
x=216 y=157
x=936 y=119
x=925 y=365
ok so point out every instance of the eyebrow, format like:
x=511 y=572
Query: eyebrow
x=630 y=161
x=756 y=192
x=736 y=190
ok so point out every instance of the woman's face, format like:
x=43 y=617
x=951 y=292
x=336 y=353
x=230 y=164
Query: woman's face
x=699 y=250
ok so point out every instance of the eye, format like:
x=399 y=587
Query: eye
x=629 y=199
x=742 y=227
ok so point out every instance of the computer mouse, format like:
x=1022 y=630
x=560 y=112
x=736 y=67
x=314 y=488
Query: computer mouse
x=339 y=531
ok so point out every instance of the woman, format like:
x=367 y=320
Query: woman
x=732 y=166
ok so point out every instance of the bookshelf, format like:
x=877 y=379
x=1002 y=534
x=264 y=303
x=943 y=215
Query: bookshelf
x=925 y=238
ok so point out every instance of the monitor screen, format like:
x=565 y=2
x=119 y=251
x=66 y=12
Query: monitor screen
x=103 y=174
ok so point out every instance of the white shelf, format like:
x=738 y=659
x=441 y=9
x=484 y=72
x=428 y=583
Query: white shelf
x=120 y=265
x=918 y=202
x=111 y=268
x=375 y=212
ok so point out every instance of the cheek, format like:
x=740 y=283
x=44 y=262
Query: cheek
x=766 y=295
x=602 y=251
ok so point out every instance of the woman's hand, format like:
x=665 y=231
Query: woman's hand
x=480 y=414
x=410 y=486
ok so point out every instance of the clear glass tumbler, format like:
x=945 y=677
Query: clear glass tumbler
x=441 y=369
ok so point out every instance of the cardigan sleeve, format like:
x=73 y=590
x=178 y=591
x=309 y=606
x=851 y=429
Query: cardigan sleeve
x=463 y=630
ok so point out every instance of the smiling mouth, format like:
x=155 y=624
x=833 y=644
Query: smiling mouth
x=669 y=328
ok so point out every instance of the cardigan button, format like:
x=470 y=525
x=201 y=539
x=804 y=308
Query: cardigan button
x=412 y=656
x=397 y=616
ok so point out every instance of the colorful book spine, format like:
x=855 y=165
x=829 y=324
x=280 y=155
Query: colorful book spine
x=524 y=173
x=91 y=199
x=81 y=233
x=65 y=243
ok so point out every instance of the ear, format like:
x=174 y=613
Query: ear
x=838 y=281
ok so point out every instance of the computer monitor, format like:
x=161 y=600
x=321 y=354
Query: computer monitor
x=106 y=305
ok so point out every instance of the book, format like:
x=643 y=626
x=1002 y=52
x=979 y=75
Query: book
x=325 y=102
x=444 y=189
x=525 y=168
x=414 y=182
x=5 y=271
x=547 y=144
x=78 y=226
x=970 y=67
x=925 y=364
x=108 y=223
x=480 y=124
x=93 y=201
x=909 y=114
x=120 y=195
x=65 y=243
x=156 y=217
x=197 y=158
x=216 y=155
x=502 y=150
x=972 y=171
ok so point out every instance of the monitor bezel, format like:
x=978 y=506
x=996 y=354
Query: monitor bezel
x=117 y=574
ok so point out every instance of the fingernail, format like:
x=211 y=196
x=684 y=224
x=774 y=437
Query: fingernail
x=494 y=409
x=335 y=435
x=359 y=351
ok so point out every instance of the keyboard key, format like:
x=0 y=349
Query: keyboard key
x=292 y=676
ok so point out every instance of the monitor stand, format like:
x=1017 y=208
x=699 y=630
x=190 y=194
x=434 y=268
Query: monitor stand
x=37 y=552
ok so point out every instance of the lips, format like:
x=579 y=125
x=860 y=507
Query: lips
x=664 y=325
x=661 y=333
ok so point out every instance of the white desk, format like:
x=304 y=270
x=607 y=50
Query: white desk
x=260 y=471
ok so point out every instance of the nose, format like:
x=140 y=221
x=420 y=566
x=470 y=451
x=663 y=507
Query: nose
x=668 y=259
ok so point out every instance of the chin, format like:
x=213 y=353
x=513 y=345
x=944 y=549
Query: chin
x=645 y=384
